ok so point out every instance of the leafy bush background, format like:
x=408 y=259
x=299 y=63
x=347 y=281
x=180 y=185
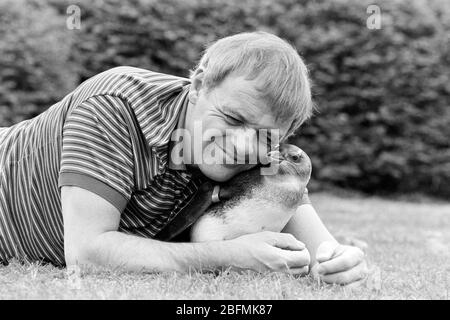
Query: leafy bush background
x=383 y=96
x=34 y=51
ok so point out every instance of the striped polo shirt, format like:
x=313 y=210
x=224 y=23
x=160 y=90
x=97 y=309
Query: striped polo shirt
x=109 y=136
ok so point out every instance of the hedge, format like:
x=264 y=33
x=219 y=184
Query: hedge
x=34 y=54
x=383 y=96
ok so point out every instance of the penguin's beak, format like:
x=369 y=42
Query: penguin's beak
x=279 y=153
x=275 y=155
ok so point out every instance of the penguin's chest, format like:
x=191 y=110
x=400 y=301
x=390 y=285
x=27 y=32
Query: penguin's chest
x=263 y=210
x=257 y=215
x=251 y=216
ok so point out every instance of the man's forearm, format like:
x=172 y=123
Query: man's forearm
x=307 y=227
x=132 y=253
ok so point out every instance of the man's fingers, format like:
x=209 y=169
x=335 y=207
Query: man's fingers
x=326 y=251
x=346 y=277
x=298 y=271
x=296 y=259
x=342 y=262
x=286 y=241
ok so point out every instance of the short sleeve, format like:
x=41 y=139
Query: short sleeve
x=97 y=152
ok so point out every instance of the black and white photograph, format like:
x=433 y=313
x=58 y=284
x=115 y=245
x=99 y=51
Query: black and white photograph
x=243 y=151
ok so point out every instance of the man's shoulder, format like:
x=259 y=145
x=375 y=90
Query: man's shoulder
x=145 y=75
x=132 y=85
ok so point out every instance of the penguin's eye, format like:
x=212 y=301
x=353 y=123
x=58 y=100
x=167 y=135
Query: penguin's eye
x=295 y=157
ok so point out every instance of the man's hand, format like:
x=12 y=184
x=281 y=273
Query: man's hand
x=339 y=264
x=270 y=251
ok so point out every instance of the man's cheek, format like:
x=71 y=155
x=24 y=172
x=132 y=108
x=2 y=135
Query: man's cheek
x=216 y=124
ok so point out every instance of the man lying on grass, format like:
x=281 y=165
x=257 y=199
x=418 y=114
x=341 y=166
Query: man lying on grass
x=92 y=180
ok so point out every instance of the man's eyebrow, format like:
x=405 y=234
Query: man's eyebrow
x=240 y=117
x=246 y=116
x=236 y=113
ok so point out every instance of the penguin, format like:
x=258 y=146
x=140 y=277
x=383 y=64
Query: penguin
x=253 y=202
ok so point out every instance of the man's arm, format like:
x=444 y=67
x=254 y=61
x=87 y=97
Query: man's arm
x=91 y=238
x=331 y=261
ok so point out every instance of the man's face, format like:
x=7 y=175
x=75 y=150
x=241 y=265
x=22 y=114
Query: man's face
x=230 y=117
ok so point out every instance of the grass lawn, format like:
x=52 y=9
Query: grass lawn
x=408 y=251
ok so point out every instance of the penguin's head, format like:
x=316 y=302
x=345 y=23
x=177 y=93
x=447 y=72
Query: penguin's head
x=291 y=160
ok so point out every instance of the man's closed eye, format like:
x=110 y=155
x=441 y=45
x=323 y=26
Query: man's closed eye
x=232 y=119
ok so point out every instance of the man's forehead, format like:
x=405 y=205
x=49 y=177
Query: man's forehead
x=242 y=94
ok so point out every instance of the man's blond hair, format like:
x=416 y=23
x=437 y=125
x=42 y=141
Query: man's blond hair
x=278 y=69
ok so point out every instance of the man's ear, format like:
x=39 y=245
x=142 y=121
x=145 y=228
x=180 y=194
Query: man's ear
x=196 y=85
